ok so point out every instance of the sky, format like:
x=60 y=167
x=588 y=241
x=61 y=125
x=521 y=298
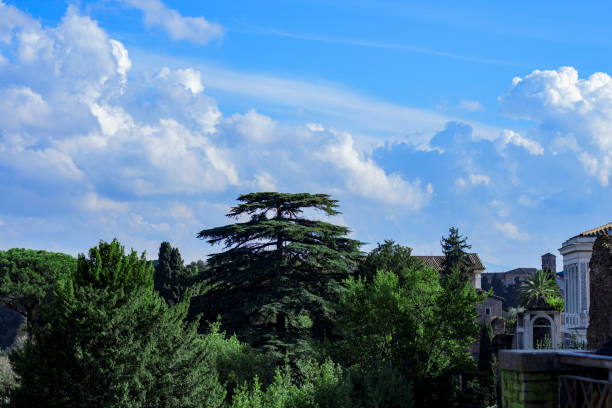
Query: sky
x=145 y=120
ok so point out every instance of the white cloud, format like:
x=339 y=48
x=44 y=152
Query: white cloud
x=577 y=111
x=189 y=78
x=510 y=230
x=511 y=137
x=93 y=202
x=471 y=106
x=480 y=179
x=265 y=182
x=22 y=107
x=195 y=29
x=364 y=177
x=253 y=126
x=315 y=127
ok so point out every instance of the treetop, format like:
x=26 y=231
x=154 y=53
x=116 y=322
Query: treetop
x=286 y=205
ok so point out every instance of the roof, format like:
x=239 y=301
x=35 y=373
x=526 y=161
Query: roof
x=435 y=261
x=601 y=230
x=515 y=271
x=548 y=253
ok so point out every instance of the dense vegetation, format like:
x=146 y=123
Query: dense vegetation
x=290 y=314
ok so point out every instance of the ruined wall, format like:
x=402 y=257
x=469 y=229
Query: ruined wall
x=600 y=315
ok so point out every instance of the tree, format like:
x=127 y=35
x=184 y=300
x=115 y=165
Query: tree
x=388 y=256
x=409 y=321
x=112 y=341
x=486 y=364
x=539 y=286
x=454 y=249
x=276 y=283
x=172 y=278
x=27 y=279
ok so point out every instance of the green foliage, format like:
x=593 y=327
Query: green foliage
x=236 y=362
x=8 y=382
x=388 y=256
x=276 y=283
x=540 y=286
x=416 y=322
x=109 y=268
x=112 y=342
x=510 y=292
x=172 y=278
x=454 y=250
x=487 y=364
x=556 y=302
x=327 y=386
x=511 y=316
x=27 y=279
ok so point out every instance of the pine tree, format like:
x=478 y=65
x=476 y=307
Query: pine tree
x=27 y=280
x=276 y=283
x=111 y=341
x=454 y=249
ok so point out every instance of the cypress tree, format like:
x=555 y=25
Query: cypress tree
x=171 y=276
x=486 y=366
x=277 y=282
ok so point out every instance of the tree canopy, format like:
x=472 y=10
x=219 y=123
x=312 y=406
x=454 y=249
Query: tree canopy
x=111 y=341
x=171 y=277
x=27 y=279
x=276 y=283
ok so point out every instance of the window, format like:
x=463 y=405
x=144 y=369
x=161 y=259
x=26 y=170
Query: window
x=488 y=311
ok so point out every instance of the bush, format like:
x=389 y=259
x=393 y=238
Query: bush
x=326 y=385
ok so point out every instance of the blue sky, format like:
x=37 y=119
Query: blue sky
x=145 y=120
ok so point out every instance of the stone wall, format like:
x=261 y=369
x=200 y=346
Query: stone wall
x=600 y=315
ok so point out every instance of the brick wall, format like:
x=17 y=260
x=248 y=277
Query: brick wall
x=600 y=315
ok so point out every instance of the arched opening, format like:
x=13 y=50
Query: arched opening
x=542 y=333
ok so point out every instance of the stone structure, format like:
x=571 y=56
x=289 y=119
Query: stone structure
x=539 y=327
x=435 y=261
x=576 y=253
x=510 y=277
x=490 y=309
x=549 y=261
x=548 y=378
x=600 y=308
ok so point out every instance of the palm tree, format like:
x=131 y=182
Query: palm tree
x=540 y=285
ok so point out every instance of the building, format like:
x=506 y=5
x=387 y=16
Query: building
x=435 y=261
x=549 y=261
x=576 y=253
x=514 y=276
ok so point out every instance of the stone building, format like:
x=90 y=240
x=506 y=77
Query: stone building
x=511 y=277
x=549 y=261
x=576 y=253
x=435 y=261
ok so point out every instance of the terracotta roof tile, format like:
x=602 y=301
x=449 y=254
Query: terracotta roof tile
x=435 y=261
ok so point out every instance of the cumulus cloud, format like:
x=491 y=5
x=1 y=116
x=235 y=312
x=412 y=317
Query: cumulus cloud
x=510 y=230
x=253 y=126
x=189 y=78
x=195 y=29
x=511 y=137
x=71 y=119
x=575 y=112
x=364 y=177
